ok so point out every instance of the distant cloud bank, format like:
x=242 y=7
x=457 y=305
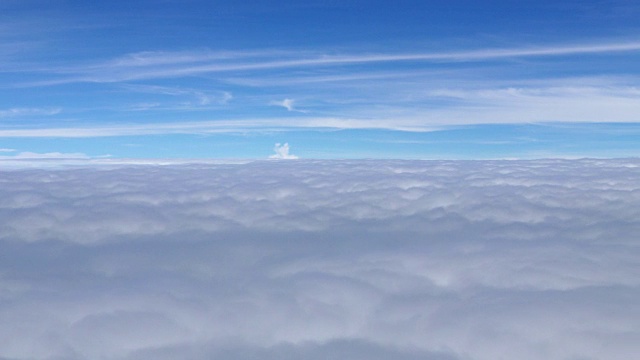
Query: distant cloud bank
x=473 y=260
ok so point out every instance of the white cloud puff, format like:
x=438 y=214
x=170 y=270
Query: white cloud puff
x=282 y=152
x=288 y=104
x=322 y=259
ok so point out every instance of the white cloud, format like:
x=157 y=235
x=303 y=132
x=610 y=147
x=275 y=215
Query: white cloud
x=27 y=159
x=35 y=156
x=177 y=98
x=286 y=103
x=226 y=97
x=403 y=107
x=322 y=259
x=16 y=112
x=50 y=155
x=357 y=96
x=522 y=105
x=282 y=152
x=153 y=65
x=5 y=150
x=218 y=126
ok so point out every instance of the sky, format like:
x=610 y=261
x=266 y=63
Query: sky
x=322 y=259
x=329 y=79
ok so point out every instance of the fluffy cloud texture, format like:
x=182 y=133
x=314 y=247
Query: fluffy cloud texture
x=476 y=260
x=282 y=152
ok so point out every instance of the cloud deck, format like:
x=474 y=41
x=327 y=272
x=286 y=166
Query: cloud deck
x=316 y=259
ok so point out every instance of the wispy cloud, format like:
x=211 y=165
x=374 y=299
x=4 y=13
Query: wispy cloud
x=510 y=105
x=167 y=64
x=18 y=112
x=286 y=103
x=40 y=156
x=337 y=96
x=351 y=76
x=189 y=97
x=521 y=105
x=221 y=126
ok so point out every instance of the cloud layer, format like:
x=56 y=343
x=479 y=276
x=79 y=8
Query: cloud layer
x=320 y=259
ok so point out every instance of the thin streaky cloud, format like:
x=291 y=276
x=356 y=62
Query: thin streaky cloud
x=510 y=105
x=350 y=77
x=208 y=127
x=50 y=155
x=146 y=58
x=168 y=65
x=17 y=112
x=452 y=56
x=202 y=97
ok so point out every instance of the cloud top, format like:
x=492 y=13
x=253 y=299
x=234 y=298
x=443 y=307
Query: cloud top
x=322 y=259
x=282 y=152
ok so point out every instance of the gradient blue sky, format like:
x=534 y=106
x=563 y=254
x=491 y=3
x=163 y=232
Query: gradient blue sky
x=333 y=79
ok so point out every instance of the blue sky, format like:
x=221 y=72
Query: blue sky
x=333 y=79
